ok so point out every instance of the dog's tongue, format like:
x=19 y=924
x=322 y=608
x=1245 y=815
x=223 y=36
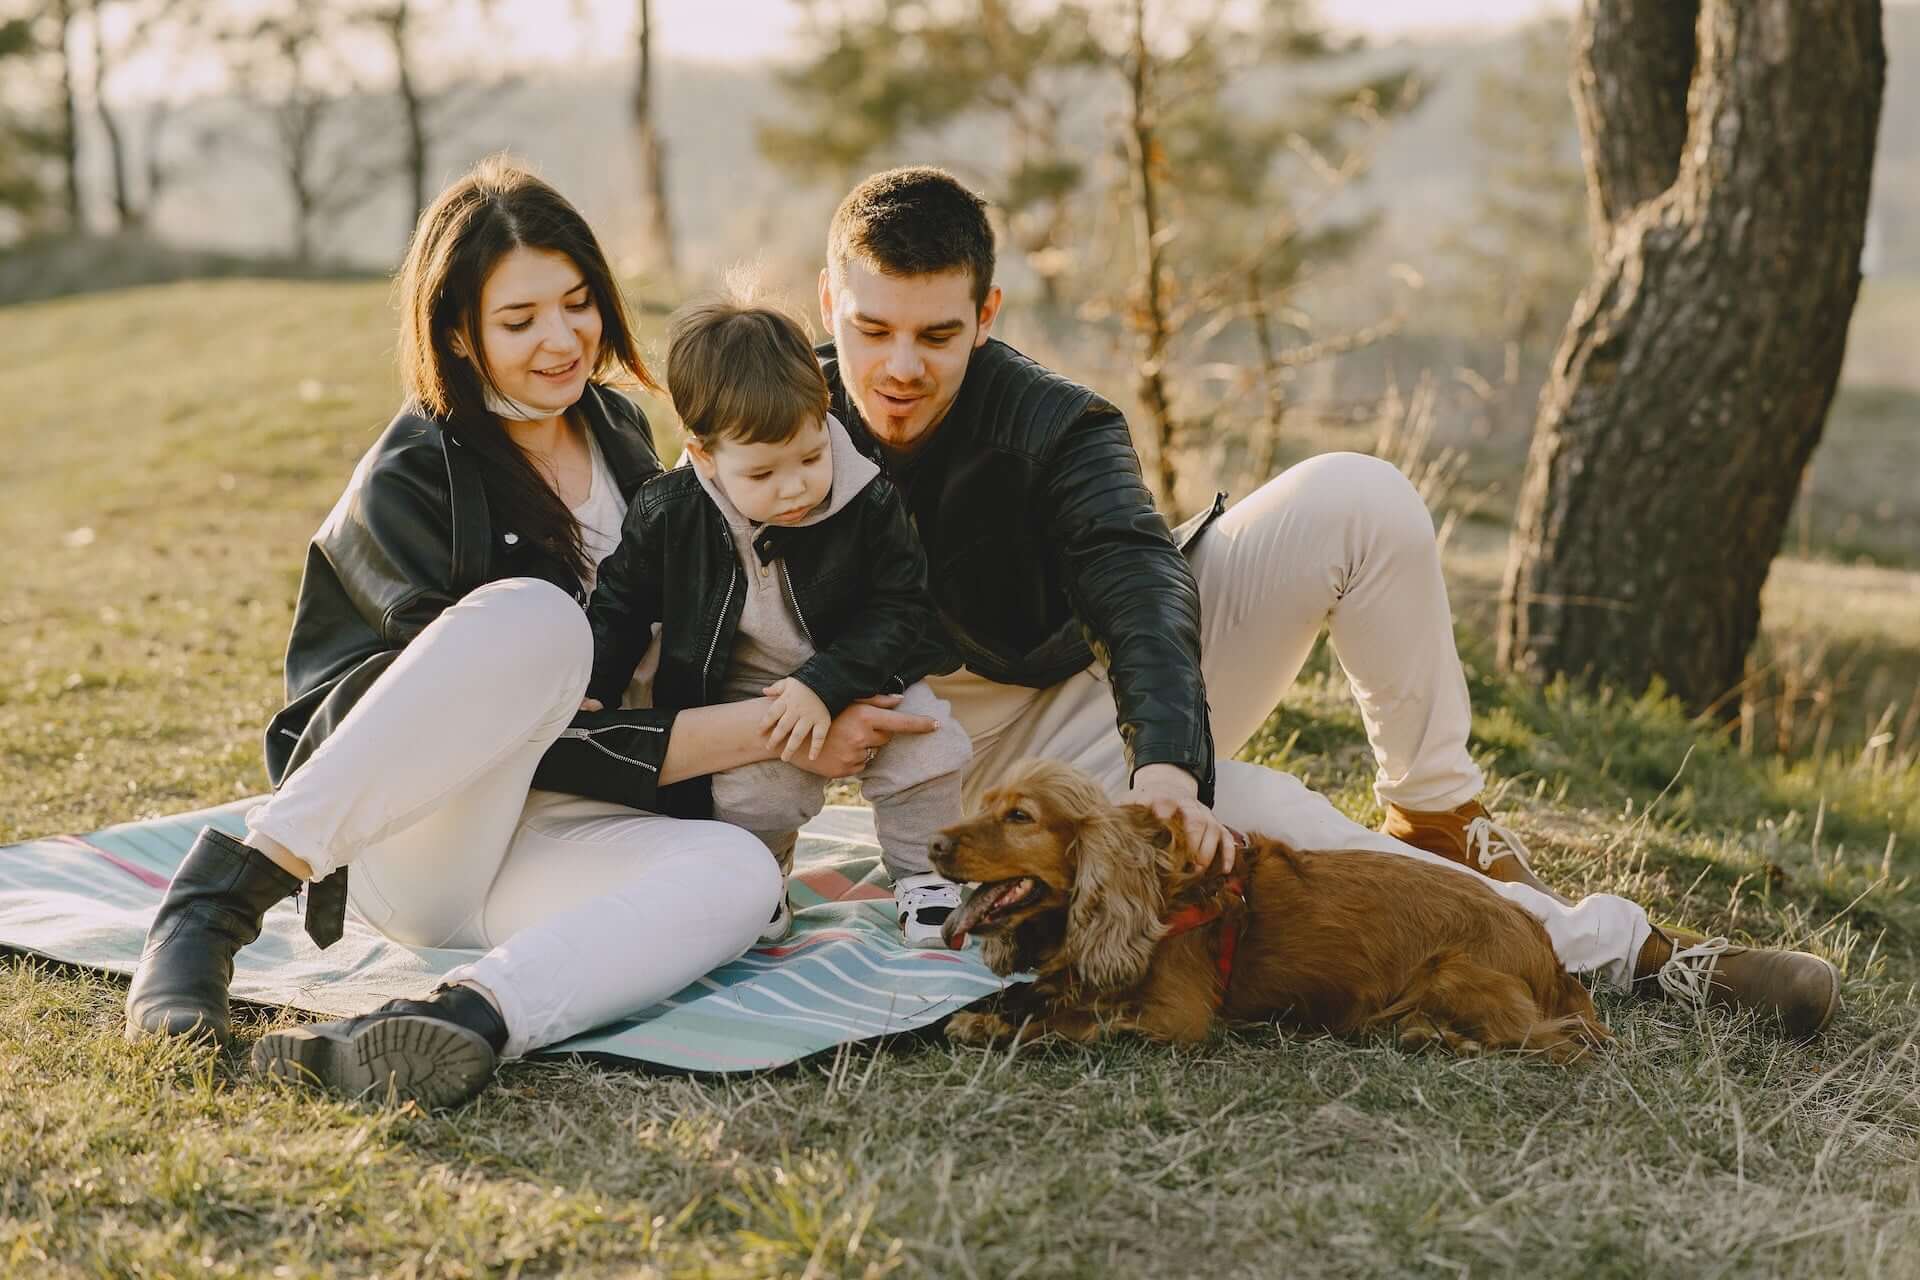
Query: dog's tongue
x=976 y=904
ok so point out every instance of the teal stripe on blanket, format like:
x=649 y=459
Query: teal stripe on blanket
x=845 y=975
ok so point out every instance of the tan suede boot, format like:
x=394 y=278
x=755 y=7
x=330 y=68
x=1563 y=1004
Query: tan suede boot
x=1469 y=836
x=1802 y=991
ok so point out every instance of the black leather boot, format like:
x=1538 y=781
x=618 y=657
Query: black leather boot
x=212 y=909
x=437 y=1052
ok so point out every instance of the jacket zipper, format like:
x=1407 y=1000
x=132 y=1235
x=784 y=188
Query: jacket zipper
x=586 y=736
x=718 y=627
x=786 y=579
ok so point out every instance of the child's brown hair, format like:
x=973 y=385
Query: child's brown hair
x=738 y=370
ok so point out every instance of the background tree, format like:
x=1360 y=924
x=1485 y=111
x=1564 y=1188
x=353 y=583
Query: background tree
x=60 y=17
x=1730 y=158
x=137 y=23
x=652 y=151
x=429 y=106
x=910 y=68
x=328 y=140
x=26 y=139
x=1129 y=121
x=1523 y=251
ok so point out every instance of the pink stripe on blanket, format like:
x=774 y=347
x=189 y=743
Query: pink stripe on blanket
x=835 y=887
x=141 y=874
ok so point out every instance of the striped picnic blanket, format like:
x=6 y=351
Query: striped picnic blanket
x=844 y=975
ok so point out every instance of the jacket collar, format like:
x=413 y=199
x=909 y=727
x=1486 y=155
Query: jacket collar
x=627 y=456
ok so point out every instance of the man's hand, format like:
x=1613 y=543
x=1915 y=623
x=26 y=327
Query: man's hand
x=861 y=729
x=1172 y=794
x=795 y=718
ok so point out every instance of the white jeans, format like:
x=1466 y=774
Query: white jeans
x=1343 y=542
x=587 y=910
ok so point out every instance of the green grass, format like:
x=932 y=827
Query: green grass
x=200 y=432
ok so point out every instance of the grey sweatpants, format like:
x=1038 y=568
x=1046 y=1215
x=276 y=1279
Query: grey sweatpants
x=913 y=784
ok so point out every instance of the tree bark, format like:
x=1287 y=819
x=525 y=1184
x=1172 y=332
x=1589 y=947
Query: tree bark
x=1150 y=303
x=1633 y=61
x=653 y=157
x=1695 y=375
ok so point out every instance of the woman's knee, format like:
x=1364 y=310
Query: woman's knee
x=532 y=622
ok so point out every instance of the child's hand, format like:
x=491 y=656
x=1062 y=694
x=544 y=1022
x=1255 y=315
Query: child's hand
x=590 y=704
x=795 y=718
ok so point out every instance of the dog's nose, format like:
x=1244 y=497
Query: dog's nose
x=940 y=846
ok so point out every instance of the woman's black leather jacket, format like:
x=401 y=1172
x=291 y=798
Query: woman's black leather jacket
x=411 y=535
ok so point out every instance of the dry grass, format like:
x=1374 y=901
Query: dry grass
x=200 y=433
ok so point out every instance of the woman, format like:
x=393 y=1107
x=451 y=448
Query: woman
x=439 y=654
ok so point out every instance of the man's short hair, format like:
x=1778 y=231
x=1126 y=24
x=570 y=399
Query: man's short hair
x=916 y=221
x=742 y=372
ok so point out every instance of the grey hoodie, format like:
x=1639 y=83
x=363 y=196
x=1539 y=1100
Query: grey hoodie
x=770 y=644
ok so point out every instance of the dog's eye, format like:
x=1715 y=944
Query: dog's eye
x=1017 y=815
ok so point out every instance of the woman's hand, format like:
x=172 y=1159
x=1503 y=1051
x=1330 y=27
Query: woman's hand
x=795 y=718
x=858 y=732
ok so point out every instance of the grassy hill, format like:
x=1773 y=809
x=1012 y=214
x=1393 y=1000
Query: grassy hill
x=170 y=450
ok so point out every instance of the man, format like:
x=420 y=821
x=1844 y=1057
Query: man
x=1088 y=631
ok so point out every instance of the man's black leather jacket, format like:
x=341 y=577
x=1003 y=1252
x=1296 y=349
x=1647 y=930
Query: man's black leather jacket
x=1044 y=548
x=857 y=581
x=411 y=535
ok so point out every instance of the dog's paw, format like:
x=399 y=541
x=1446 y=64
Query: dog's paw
x=969 y=1027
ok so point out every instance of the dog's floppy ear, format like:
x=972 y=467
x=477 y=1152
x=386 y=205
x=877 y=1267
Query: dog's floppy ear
x=1113 y=921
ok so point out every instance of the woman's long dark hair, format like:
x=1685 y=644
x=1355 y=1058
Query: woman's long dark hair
x=496 y=208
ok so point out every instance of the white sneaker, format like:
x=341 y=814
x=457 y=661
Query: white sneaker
x=924 y=901
x=780 y=924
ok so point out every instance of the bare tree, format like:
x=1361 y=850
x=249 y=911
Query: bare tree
x=326 y=138
x=652 y=151
x=64 y=14
x=1696 y=372
x=427 y=111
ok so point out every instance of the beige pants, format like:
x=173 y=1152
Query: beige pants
x=1341 y=542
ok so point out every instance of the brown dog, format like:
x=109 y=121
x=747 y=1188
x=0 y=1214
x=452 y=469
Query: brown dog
x=1098 y=901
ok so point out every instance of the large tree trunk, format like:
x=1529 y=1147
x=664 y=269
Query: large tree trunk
x=653 y=152
x=1695 y=375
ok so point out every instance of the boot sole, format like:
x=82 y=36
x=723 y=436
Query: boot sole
x=199 y=1031
x=408 y=1057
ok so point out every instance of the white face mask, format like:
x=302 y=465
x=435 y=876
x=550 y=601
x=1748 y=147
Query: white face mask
x=515 y=411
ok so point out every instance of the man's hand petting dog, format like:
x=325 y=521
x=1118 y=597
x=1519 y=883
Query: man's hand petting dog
x=1173 y=795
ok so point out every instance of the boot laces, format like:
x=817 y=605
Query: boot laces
x=1688 y=974
x=1489 y=842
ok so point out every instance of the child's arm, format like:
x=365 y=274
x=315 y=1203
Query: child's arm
x=626 y=603
x=871 y=655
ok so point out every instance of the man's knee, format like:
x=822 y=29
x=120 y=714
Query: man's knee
x=1370 y=488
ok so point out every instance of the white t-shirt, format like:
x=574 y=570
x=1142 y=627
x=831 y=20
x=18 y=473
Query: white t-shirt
x=601 y=514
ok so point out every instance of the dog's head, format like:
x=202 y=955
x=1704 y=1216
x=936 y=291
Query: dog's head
x=1063 y=877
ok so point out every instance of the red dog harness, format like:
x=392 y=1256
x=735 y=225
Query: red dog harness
x=1199 y=915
